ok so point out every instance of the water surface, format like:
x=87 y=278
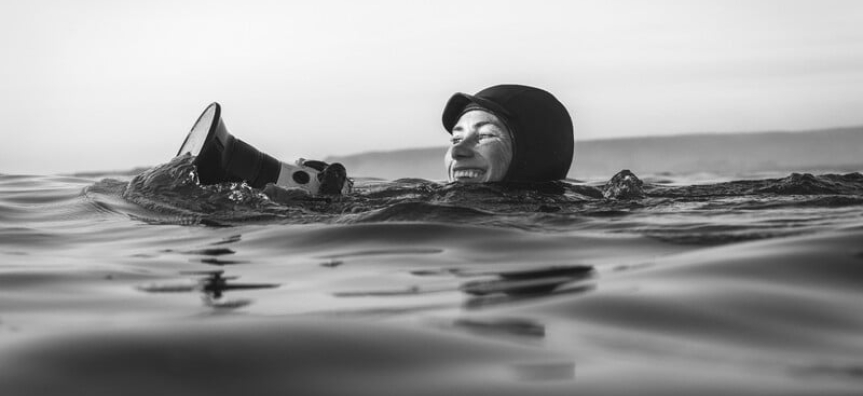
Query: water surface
x=149 y=283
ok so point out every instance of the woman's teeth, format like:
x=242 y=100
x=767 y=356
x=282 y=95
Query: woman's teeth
x=467 y=173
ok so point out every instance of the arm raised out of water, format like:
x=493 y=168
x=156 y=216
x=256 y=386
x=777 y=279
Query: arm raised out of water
x=222 y=158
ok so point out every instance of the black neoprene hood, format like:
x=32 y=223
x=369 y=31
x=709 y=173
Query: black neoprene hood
x=541 y=129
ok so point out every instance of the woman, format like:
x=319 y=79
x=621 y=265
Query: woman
x=507 y=133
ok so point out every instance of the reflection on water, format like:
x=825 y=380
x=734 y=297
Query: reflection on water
x=212 y=285
x=216 y=285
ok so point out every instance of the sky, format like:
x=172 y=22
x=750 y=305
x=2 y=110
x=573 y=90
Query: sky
x=92 y=85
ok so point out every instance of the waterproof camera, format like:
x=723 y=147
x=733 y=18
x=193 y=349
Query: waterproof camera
x=220 y=158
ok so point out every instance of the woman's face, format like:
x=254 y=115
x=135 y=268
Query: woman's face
x=481 y=149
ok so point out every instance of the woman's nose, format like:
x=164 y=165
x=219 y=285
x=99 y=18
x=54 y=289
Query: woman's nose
x=462 y=149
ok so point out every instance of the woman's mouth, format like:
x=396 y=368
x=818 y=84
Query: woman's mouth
x=467 y=174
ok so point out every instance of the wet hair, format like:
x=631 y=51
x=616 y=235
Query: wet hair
x=541 y=129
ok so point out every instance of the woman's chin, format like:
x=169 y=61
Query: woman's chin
x=470 y=180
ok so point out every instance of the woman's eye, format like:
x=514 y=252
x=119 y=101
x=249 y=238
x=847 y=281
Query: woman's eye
x=455 y=141
x=486 y=136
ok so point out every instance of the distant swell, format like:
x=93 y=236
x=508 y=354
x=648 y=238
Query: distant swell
x=850 y=184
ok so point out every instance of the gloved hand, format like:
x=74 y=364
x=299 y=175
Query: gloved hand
x=333 y=177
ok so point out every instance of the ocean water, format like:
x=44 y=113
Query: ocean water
x=148 y=283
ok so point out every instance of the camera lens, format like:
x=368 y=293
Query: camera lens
x=301 y=177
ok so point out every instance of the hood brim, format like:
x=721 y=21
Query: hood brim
x=459 y=101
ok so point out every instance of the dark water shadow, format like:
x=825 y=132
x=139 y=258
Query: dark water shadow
x=493 y=300
x=204 y=252
x=496 y=327
x=853 y=371
x=496 y=287
x=229 y=239
x=382 y=252
x=577 y=271
x=222 y=263
x=401 y=292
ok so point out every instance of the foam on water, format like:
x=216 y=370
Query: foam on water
x=656 y=286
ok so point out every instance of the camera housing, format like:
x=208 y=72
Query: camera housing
x=220 y=158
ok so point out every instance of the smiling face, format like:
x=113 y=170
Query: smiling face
x=481 y=149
